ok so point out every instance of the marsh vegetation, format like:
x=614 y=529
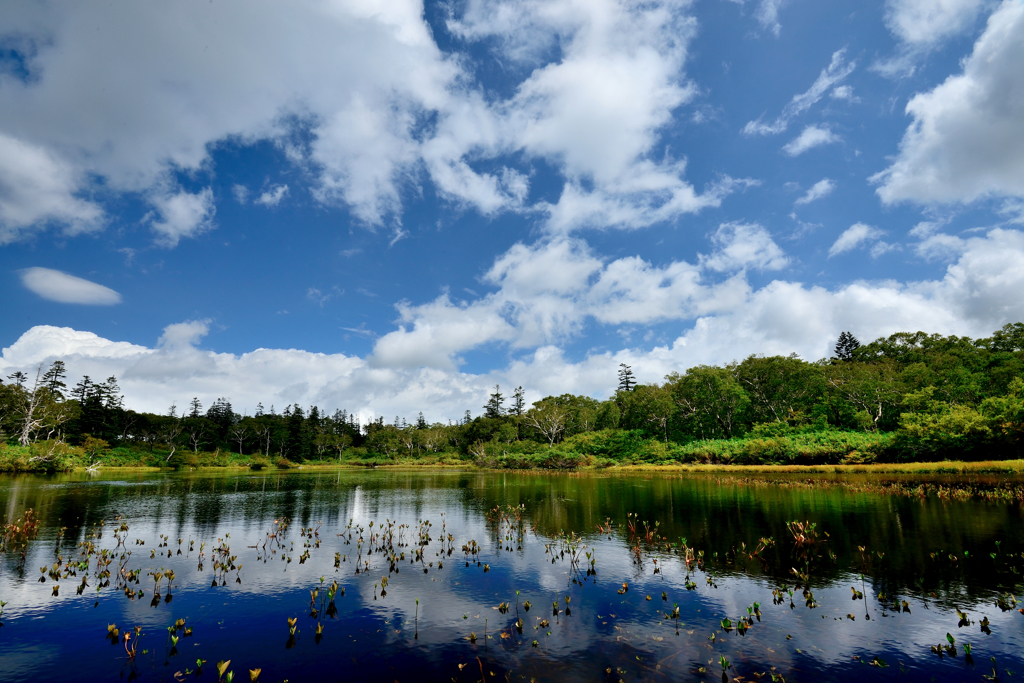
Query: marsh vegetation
x=503 y=576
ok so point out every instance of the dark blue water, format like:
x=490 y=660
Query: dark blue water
x=934 y=555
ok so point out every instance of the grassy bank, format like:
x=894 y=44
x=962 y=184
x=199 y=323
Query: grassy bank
x=824 y=451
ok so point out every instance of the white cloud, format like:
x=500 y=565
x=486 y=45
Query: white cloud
x=922 y=26
x=240 y=192
x=184 y=335
x=767 y=14
x=36 y=188
x=854 y=236
x=546 y=292
x=812 y=136
x=934 y=245
x=965 y=142
x=925 y=22
x=844 y=92
x=830 y=76
x=978 y=293
x=132 y=101
x=273 y=196
x=822 y=188
x=744 y=245
x=658 y=196
x=596 y=112
x=881 y=248
x=58 y=286
x=383 y=106
x=182 y=214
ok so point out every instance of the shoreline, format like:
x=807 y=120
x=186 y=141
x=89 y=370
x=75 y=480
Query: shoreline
x=938 y=467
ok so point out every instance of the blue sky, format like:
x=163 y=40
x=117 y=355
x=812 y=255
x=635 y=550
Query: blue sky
x=390 y=207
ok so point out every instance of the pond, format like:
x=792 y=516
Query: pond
x=414 y=576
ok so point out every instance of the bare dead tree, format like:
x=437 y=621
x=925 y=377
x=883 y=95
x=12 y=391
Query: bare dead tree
x=31 y=421
x=549 y=420
x=238 y=433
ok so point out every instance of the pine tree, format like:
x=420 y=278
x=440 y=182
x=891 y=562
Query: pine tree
x=54 y=378
x=626 y=379
x=421 y=422
x=195 y=407
x=82 y=390
x=845 y=347
x=467 y=418
x=494 y=403
x=112 y=398
x=518 y=402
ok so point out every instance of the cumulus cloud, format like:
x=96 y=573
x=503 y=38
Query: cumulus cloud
x=595 y=113
x=977 y=294
x=854 y=236
x=812 y=136
x=61 y=287
x=184 y=335
x=921 y=26
x=965 y=140
x=926 y=22
x=131 y=102
x=273 y=196
x=547 y=292
x=380 y=106
x=37 y=188
x=933 y=245
x=822 y=188
x=744 y=245
x=182 y=214
x=836 y=71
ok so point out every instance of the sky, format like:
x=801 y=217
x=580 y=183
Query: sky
x=391 y=207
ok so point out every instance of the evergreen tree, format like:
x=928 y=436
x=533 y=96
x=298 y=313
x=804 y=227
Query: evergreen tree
x=626 y=379
x=18 y=378
x=298 y=437
x=421 y=422
x=467 y=418
x=82 y=389
x=54 y=378
x=195 y=407
x=845 y=347
x=112 y=398
x=518 y=402
x=494 y=403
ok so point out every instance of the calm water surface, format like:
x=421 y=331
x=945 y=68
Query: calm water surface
x=916 y=562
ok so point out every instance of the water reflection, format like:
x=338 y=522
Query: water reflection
x=935 y=555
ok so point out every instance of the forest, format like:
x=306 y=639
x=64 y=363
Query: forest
x=909 y=397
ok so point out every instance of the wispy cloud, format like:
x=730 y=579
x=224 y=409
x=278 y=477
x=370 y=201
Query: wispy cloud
x=854 y=236
x=273 y=196
x=836 y=71
x=820 y=189
x=811 y=137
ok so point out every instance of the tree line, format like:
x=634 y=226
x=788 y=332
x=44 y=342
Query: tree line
x=939 y=395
